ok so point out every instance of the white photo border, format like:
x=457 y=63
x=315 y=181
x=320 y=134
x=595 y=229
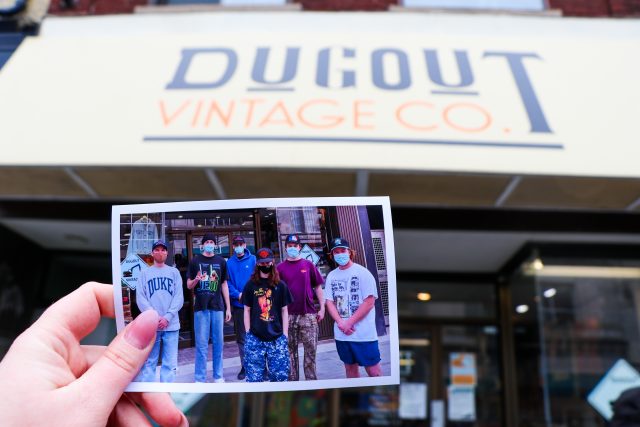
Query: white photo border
x=207 y=205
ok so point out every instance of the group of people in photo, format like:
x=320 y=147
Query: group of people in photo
x=272 y=307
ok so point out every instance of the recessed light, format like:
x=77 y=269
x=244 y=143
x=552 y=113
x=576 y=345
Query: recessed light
x=550 y=293
x=522 y=308
x=537 y=264
x=424 y=296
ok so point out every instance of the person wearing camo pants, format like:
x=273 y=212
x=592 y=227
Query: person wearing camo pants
x=304 y=280
x=265 y=298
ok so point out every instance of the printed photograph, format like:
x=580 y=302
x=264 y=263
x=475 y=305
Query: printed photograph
x=260 y=294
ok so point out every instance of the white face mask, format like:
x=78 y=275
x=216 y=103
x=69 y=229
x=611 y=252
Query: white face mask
x=238 y=249
x=209 y=247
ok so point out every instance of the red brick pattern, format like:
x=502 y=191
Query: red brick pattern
x=593 y=8
x=582 y=7
x=625 y=7
x=95 y=7
x=343 y=5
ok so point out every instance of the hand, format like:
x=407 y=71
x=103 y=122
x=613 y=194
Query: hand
x=198 y=277
x=227 y=315
x=345 y=327
x=162 y=323
x=320 y=314
x=62 y=382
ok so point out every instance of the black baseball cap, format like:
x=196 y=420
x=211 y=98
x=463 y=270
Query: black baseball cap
x=292 y=238
x=208 y=236
x=238 y=239
x=264 y=255
x=159 y=243
x=339 y=242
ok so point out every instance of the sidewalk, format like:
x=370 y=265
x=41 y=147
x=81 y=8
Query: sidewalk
x=328 y=364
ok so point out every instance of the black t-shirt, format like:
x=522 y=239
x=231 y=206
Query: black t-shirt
x=266 y=305
x=209 y=289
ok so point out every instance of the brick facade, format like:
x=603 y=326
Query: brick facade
x=586 y=8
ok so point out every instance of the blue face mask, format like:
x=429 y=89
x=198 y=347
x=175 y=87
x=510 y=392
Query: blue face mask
x=342 y=259
x=238 y=249
x=209 y=247
x=293 y=252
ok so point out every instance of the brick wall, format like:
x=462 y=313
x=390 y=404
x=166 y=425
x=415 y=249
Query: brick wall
x=625 y=7
x=94 y=7
x=593 y=8
x=370 y=5
x=581 y=7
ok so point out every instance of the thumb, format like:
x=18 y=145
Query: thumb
x=106 y=380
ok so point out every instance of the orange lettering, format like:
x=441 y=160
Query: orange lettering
x=357 y=114
x=224 y=118
x=166 y=120
x=483 y=126
x=333 y=120
x=252 y=103
x=403 y=122
x=278 y=108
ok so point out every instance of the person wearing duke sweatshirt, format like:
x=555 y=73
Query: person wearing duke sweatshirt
x=160 y=289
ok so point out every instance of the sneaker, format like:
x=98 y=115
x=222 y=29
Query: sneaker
x=241 y=374
x=218 y=380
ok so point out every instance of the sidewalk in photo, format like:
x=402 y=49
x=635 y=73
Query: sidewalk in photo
x=328 y=364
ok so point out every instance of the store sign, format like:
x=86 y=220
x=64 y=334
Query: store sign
x=462 y=369
x=131 y=267
x=309 y=254
x=448 y=94
x=621 y=376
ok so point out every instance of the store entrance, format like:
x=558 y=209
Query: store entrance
x=452 y=370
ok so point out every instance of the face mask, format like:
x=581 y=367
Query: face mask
x=209 y=248
x=293 y=252
x=239 y=250
x=342 y=259
x=265 y=268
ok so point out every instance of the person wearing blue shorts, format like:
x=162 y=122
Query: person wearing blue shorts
x=350 y=294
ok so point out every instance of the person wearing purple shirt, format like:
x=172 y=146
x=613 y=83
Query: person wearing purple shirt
x=303 y=279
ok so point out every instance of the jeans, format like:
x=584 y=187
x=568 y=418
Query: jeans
x=266 y=356
x=169 y=358
x=208 y=324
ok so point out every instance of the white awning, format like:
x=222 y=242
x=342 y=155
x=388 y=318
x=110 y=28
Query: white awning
x=387 y=91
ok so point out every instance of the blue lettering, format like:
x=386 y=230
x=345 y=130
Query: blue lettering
x=377 y=64
x=179 y=79
x=290 y=65
x=527 y=94
x=150 y=286
x=324 y=63
x=435 y=71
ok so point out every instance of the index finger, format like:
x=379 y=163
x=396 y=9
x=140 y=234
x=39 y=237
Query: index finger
x=80 y=311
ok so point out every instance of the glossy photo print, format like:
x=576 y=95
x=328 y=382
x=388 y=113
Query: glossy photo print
x=260 y=294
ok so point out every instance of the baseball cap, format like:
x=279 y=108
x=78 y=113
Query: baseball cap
x=292 y=238
x=264 y=255
x=208 y=236
x=238 y=239
x=159 y=243
x=339 y=242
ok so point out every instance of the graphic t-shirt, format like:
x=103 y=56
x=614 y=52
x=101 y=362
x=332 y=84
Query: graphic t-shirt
x=266 y=305
x=160 y=289
x=348 y=289
x=208 y=290
x=301 y=276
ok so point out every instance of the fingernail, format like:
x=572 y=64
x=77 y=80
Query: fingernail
x=141 y=331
